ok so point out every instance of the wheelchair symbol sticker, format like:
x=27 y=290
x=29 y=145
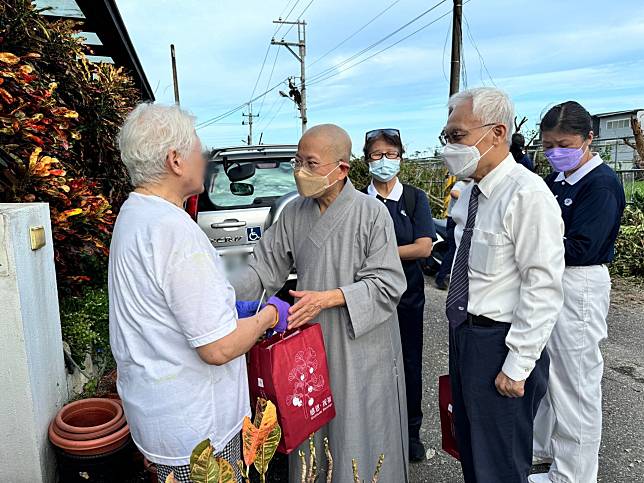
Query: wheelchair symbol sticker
x=254 y=233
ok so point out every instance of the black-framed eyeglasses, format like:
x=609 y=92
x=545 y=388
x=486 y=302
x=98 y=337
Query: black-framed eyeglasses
x=379 y=132
x=456 y=135
x=387 y=154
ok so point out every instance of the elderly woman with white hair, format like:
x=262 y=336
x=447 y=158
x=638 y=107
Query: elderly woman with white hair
x=174 y=331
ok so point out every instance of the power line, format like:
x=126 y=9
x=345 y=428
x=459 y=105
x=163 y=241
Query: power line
x=274 y=116
x=481 y=60
x=261 y=70
x=449 y=29
x=270 y=78
x=285 y=7
x=322 y=79
x=277 y=29
x=387 y=37
x=354 y=33
x=299 y=18
x=218 y=118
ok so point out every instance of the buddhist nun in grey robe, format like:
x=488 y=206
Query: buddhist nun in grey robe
x=350 y=279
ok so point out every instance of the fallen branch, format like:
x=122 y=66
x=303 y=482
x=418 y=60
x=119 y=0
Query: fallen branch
x=329 y=459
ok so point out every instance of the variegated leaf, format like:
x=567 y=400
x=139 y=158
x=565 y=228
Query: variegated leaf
x=267 y=450
x=205 y=469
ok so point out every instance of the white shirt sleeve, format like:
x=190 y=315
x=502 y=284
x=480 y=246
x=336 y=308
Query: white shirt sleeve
x=537 y=229
x=198 y=294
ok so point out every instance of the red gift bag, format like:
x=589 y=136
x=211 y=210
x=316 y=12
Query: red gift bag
x=447 y=416
x=290 y=370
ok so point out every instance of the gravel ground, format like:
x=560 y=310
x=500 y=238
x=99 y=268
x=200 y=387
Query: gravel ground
x=621 y=458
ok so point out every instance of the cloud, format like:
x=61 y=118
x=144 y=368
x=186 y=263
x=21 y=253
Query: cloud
x=539 y=52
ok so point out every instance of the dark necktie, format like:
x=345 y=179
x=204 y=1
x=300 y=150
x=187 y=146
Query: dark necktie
x=459 y=285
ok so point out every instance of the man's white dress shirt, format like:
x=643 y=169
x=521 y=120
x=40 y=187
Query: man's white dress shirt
x=516 y=259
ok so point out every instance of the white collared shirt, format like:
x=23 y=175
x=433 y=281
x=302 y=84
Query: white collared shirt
x=516 y=259
x=593 y=163
x=395 y=194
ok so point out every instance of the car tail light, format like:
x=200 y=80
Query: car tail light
x=191 y=206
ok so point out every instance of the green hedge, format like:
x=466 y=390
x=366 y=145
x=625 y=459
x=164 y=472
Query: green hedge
x=431 y=177
x=84 y=320
x=629 y=246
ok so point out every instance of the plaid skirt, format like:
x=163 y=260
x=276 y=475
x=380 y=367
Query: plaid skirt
x=231 y=453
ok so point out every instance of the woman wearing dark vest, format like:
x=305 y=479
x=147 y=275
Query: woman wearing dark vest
x=412 y=217
x=567 y=429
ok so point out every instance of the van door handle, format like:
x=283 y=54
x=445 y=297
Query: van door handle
x=229 y=224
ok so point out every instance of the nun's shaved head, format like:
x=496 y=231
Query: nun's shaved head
x=326 y=141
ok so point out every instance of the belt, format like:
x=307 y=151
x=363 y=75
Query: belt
x=482 y=321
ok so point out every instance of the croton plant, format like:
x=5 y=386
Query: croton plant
x=59 y=116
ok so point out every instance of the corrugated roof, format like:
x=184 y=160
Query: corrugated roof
x=616 y=113
x=104 y=32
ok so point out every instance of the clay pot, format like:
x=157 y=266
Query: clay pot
x=90 y=427
x=151 y=470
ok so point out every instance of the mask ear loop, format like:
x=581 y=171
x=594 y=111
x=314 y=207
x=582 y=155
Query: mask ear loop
x=261 y=299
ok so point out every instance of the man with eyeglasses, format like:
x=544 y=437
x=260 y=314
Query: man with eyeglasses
x=505 y=291
x=350 y=280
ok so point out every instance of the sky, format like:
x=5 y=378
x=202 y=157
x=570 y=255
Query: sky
x=540 y=52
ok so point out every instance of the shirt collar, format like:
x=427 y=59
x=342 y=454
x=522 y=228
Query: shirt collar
x=395 y=194
x=594 y=162
x=494 y=177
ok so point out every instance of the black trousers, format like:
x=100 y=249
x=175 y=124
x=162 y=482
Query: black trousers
x=410 y=319
x=494 y=433
x=446 y=263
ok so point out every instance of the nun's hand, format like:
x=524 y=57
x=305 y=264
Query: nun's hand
x=310 y=304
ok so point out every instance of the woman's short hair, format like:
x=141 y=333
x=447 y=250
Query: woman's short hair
x=383 y=136
x=569 y=117
x=148 y=134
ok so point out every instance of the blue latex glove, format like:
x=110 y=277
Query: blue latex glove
x=246 y=308
x=282 y=313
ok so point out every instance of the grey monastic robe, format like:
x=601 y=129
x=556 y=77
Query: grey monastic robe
x=352 y=246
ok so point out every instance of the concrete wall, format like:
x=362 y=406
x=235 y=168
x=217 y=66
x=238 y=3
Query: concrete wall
x=32 y=372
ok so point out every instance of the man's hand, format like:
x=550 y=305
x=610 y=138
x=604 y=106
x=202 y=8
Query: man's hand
x=508 y=387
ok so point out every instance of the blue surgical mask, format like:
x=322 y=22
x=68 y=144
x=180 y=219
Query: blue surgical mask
x=384 y=169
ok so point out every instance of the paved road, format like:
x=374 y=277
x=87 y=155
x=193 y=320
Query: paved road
x=622 y=450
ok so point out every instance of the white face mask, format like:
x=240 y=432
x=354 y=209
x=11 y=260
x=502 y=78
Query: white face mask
x=462 y=160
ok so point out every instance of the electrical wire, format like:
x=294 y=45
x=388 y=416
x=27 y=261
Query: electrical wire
x=322 y=79
x=449 y=29
x=380 y=14
x=481 y=59
x=317 y=81
x=270 y=78
x=298 y=18
x=279 y=26
x=375 y=44
x=232 y=111
x=273 y=118
x=261 y=70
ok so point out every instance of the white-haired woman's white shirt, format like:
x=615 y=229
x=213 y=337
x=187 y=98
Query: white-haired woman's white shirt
x=168 y=296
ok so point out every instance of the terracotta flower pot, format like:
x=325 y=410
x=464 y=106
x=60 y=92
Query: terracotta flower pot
x=90 y=427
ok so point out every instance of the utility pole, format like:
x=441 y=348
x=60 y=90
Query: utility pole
x=457 y=41
x=174 y=75
x=299 y=99
x=250 y=117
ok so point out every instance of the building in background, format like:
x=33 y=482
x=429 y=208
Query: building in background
x=104 y=32
x=610 y=130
